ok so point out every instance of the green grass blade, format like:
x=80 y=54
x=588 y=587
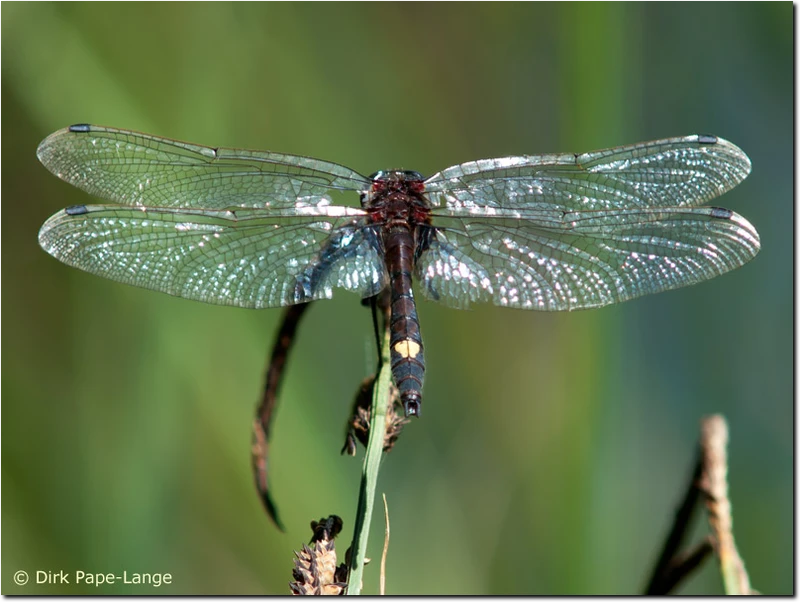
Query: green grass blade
x=369 y=472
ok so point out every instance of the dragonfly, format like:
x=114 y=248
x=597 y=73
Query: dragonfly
x=259 y=229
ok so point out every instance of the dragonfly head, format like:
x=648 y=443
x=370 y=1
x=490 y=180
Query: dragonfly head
x=396 y=175
x=396 y=180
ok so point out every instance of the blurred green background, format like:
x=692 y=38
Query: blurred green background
x=553 y=448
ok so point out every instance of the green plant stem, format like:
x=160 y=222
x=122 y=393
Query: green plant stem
x=369 y=472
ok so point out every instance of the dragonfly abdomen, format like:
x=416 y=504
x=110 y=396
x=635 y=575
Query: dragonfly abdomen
x=408 y=361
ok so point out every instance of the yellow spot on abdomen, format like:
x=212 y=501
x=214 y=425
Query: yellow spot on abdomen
x=407 y=348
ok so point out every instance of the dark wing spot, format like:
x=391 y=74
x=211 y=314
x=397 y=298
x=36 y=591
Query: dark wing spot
x=721 y=213
x=76 y=210
x=706 y=139
x=80 y=127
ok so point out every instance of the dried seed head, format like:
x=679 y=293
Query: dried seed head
x=358 y=427
x=315 y=572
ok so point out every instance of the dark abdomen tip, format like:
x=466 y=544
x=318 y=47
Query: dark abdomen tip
x=411 y=402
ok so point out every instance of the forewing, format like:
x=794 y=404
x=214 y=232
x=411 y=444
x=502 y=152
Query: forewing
x=676 y=172
x=138 y=169
x=240 y=258
x=551 y=260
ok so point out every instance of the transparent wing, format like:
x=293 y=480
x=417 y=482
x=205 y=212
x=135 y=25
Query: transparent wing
x=552 y=260
x=676 y=172
x=240 y=258
x=138 y=169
